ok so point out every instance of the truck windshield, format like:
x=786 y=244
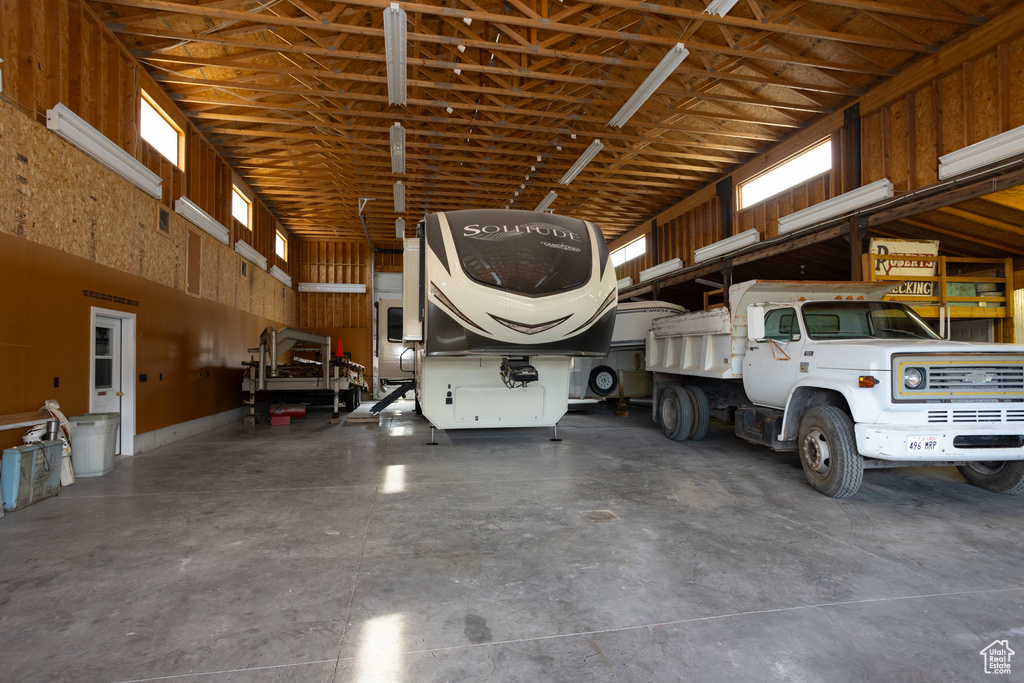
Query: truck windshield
x=863 y=320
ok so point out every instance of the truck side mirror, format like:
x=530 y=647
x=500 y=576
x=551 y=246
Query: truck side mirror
x=755 y=323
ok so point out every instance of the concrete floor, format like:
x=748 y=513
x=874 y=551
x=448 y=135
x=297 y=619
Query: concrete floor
x=357 y=553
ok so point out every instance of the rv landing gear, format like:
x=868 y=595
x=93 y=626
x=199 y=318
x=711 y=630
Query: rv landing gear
x=555 y=437
x=432 y=442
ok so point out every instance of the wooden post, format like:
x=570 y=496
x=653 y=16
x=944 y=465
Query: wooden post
x=856 y=272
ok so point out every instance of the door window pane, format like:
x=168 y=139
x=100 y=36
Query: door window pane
x=394 y=324
x=104 y=373
x=103 y=341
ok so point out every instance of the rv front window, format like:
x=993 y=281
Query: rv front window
x=537 y=257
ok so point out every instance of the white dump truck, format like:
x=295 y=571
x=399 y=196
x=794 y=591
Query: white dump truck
x=850 y=381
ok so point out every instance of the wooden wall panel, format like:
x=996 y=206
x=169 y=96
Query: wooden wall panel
x=345 y=316
x=59 y=51
x=904 y=136
x=967 y=92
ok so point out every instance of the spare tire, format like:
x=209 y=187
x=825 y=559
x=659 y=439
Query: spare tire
x=603 y=380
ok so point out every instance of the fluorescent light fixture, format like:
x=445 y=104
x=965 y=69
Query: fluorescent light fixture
x=726 y=246
x=395 y=52
x=720 y=7
x=250 y=254
x=588 y=155
x=848 y=202
x=989 y=150
x=75 y=130
x=654 y=80
x=284 y=277
x=332 y=287
x=661 y=269
x=399 y=228
x=188 y=210
x=549 y=198
x=399 y=192
x=624 y=282
x=397 y=148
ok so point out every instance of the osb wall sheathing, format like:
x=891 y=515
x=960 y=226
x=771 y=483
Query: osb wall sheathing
x=968 y=91
x=58 y=51
x=61 y=198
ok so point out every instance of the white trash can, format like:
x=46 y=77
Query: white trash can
x=93 y=443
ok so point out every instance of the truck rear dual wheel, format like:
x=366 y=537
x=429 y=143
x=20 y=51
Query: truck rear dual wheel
x=685 y=413
x=676 y=412
x=1000 y=476
x=828 y=452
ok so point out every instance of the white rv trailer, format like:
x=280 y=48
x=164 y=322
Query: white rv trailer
x=623 y=374
x=496 y=304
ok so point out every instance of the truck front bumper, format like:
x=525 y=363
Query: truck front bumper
x=942 y=442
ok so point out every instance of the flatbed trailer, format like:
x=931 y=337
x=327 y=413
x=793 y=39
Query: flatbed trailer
x=310 y=370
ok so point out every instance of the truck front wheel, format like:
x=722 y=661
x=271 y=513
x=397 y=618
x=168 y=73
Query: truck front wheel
x=828 y=452
x=676 y=412
x=1000 y=476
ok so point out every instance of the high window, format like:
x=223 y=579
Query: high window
x=158 y=130
x=281 y=246
x=241 y=207
x=804 y=166
x=635 y=248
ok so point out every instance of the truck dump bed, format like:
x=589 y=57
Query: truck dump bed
x=712 y=343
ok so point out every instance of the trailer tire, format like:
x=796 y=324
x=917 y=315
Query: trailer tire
x=351 y=399
x=701 y=413
x=828 y=452
x=676 y=412
x=603 y=380
x=1000 y=476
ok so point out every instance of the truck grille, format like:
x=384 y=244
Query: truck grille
x=980 y=376
x=996 y=415
x=958 y=378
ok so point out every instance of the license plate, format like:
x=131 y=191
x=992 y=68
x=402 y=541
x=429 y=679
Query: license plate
x=922 y=444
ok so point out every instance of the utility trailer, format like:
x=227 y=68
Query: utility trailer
x=309 y=370
x=850 y=381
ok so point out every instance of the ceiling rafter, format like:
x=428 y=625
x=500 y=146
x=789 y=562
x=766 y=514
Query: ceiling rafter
x=503 y=95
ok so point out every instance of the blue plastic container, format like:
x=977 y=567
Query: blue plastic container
x=29 y=474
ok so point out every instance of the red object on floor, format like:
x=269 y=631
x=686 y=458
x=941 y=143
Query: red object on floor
x=290 y=410
x=276 y=420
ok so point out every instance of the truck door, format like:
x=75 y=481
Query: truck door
x=771 y=365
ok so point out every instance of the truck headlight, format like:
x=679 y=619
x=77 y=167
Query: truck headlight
x=913 y=378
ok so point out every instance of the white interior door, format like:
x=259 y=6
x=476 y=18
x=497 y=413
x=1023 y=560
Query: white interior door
x=107 y=366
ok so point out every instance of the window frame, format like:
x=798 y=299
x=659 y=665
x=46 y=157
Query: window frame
x=625 y=247
x=779 y=168
x=237 y=192
x=147 y=99
x=281 y=239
